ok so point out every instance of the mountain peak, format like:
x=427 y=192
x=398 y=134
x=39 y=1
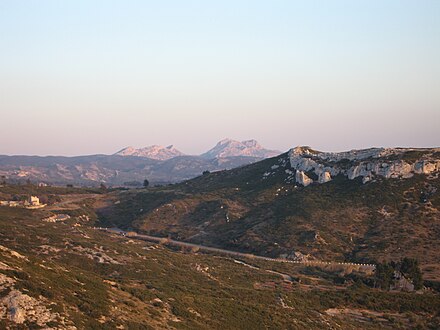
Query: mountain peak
x=251 y=144
x=154 y=152
x=226 y=141
x=224 y=148
x=233 y=148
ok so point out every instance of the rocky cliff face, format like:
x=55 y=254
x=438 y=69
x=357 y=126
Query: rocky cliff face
x=368 y=164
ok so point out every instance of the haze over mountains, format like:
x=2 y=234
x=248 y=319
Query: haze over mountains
x=130 y=166
x=225 y=148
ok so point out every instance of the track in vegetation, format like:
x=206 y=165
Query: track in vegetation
x=198 y=247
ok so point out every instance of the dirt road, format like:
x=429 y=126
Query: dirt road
x=162 y=240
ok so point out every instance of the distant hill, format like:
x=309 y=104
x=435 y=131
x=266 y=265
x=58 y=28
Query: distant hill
x=111 y=170
x=360 y=205
x=232 y=148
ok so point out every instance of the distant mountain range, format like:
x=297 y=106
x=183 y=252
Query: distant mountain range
x=225 y=148
x=130 y=166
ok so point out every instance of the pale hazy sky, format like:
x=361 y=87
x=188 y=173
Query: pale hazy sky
x=84 y=77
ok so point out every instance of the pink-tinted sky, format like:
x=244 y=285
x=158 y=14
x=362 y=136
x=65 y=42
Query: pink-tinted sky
x=84 y=77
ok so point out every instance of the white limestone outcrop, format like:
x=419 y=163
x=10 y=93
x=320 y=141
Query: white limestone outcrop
x=302 y=178
x=324 y=177
x=367 y=163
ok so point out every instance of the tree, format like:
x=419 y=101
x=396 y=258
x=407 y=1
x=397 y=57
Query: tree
x=146 y=183
x=384 y=276
x=44 y=199
x=411 y=269
x=206 y=172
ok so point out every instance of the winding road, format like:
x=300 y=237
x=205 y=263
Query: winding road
x=164 y=240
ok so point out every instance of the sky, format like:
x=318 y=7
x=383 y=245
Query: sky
x=87 y=77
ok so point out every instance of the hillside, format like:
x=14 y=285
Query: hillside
x=68 y=275
x=111 y=170
x=282 y=205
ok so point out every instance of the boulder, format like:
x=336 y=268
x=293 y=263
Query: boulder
x=302 y=178
x=324 y=177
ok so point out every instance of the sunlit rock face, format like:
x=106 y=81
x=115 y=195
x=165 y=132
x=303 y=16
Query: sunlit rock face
x=303 y=179
x=367 y=163
x=324 y=177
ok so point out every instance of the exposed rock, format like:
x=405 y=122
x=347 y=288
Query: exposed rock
x=401 y=283
x=4 y=266
x=13 y=253
x=298 y=256
x=302 y=178
x=425 y=167
x=324 y=177
x=20 y=307
x=5 y=281
x=367 y=163
x=97 y=254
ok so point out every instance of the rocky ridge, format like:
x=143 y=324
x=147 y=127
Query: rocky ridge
x=367 y=164
x=154 y=152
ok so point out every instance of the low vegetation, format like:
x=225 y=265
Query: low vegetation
x=96 y=280
x=342 y=220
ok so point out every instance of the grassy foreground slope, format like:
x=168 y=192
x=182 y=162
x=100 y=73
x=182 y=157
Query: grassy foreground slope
x=256 y=209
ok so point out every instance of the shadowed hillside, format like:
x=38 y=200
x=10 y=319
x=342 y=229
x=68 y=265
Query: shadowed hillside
x=260 y=209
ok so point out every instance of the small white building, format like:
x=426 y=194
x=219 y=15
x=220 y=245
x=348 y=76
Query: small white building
x=34 y=201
